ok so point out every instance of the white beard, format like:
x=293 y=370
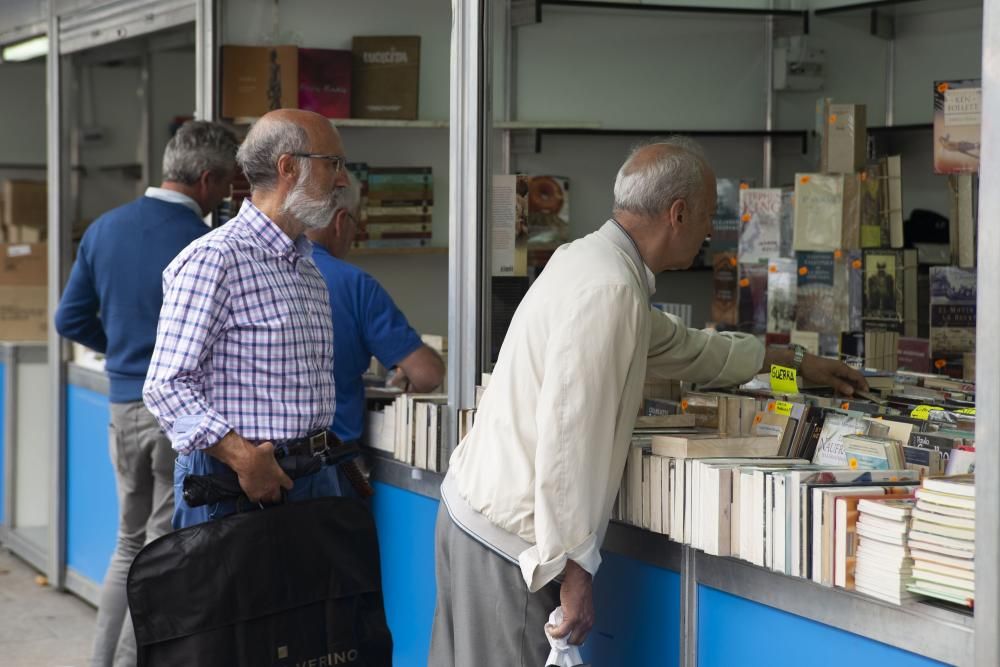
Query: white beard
x=311 y=212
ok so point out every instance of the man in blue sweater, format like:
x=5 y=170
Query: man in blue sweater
x=366 y=323
x=112 y=304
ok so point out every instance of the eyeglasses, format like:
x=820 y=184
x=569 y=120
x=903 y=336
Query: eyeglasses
x=337 y=161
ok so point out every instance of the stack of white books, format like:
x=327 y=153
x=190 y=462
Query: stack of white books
x=884 y=565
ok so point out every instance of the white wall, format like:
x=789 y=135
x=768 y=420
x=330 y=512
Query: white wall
x=22 y=119
x=680 y=71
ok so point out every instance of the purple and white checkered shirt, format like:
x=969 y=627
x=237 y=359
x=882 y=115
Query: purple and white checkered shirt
x=245 y=339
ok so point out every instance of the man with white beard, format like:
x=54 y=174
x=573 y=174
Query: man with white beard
x=243 y=361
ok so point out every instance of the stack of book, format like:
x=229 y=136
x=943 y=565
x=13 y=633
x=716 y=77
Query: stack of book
x=883 y=565
x=397 y=207
x=942 y=539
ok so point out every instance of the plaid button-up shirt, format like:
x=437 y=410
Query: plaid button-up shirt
x=245 y=338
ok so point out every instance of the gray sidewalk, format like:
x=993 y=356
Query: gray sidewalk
x=40 y=627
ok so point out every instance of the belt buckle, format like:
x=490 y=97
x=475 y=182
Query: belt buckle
x=317 y=443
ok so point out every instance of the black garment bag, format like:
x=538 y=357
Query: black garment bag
x=295 y=584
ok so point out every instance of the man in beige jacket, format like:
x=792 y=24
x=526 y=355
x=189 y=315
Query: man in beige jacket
x=528 y=495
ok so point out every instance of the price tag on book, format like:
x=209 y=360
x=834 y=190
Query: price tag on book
x=924 y=411
x=783 y=408
x=967 y=411
x=783 y=380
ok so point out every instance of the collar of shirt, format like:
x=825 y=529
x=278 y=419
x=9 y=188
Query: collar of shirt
x=271 y=235
x=615 y=233
x=174 y=197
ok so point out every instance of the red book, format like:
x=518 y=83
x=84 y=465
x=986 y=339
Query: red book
x=325 y=82
x=914 y=354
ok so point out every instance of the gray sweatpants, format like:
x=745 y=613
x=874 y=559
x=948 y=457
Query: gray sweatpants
x=144 y=471
x=485 y=615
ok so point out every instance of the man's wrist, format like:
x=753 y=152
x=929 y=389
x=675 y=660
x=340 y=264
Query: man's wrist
x=798 y=357
x=233 y=450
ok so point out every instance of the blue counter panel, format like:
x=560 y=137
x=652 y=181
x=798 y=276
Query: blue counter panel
x=405 y=522
x=638 y=610
x=91 y=498
x=736 y=631
x=3 y=442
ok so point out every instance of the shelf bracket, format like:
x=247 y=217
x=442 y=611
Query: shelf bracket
x=882 y=25
x=525 y=142
x=525 y=12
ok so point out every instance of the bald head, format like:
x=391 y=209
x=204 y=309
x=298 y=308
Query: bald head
x=656 y=175
x=284 y=131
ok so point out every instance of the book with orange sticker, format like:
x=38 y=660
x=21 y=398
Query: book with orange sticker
x=819 y=212
x=957 y=115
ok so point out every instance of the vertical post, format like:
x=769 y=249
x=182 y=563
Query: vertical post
x=58 y=260
x=768 y=169
x=988 y=354
x=206 y=40
x=890 y=82
x=469 y=49
x=689 y=607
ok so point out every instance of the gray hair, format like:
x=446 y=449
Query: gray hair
x=349 y=198
x=649 y=189
x=265 y=143
x=198 y=146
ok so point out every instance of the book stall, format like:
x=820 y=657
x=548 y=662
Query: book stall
x=772 y=523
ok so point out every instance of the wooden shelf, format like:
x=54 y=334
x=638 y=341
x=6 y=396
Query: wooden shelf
x=369 y=252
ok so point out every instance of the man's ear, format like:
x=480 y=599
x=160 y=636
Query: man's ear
x=288 y=167
x=679 y=212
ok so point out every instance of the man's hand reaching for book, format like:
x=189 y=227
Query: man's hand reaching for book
x=830 y=372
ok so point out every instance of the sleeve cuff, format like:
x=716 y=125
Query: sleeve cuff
x=198 y=431
x=537 y=573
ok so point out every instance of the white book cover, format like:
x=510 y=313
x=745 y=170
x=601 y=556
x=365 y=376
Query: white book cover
x=819 y=202
x=760 y=225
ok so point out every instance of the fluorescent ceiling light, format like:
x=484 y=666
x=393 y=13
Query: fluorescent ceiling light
x=26 y=50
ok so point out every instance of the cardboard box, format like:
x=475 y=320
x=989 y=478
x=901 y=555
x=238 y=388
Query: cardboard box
x=23 y=234
x=24 y=313
x=325 y=82
x=25 y=203
x=386 y=77
x=848 y=138
x=258 y=79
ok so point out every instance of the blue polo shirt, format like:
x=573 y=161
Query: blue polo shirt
x=112 y=299
x=366 y=323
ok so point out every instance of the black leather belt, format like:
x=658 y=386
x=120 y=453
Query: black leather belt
x=316 y=442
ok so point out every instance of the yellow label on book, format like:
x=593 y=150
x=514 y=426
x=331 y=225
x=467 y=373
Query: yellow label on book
x=967 y=411
x=783 y=380
x=783 y=408
x=924 y=411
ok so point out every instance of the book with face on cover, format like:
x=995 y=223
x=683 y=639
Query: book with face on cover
x=819 y=212
x=891 y=291
x=957 y=118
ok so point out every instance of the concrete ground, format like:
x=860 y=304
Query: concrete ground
x=40 y=627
